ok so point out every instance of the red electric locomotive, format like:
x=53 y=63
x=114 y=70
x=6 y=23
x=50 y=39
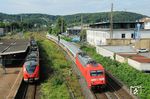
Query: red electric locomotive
x=93 y=72
x=30 y=71
x=31 y=65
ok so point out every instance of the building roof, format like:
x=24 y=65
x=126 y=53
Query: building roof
x=117 y=25
x=146 y=19
x=120 y=22
x=120 y=49
x=137 y=57
x=108 y=29
x=13 y=46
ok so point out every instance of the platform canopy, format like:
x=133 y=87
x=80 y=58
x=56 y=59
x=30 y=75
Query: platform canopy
x=12 y=46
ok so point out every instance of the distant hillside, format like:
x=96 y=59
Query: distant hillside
x=72 y=19
x=32 y=18
x=118 y=16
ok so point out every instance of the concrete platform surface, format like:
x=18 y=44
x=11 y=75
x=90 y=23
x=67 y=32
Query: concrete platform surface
x=8 y=80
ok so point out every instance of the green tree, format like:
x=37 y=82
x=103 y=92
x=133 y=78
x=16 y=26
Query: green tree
x=50 y=30
x=60 y=25
x=2 y=25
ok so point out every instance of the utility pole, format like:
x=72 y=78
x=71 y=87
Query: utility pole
x=81 y=28
x=21 y=33
x=61 y=30
x=111 y=24
x=61 y=25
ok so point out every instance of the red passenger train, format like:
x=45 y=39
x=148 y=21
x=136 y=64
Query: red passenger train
x=93 y=72
x=31 y=65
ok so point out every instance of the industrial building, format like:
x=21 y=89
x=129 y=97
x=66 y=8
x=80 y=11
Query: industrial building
x=111 y=51
x=73 y=30
x=100 y=34
x=125 y=54
x=77 y=29
x=146 y=22
x=137 y=61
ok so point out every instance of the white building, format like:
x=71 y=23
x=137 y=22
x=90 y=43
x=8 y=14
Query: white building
x=1 y=31
x=111 y=51
x=146 y=22
x=100 y=36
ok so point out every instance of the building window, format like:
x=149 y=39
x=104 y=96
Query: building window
x=123 y=35
x=132 y=35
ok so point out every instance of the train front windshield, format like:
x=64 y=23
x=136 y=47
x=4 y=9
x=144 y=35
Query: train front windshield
x=30 y=67
x=96 y=73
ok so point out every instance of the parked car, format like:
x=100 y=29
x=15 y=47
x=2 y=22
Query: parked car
x=142 y=50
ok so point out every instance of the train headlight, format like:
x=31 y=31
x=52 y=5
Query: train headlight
x=101 y=78
x=98 y=79
x=93 y=79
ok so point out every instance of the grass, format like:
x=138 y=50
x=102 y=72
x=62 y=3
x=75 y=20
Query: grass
x=56 y=71
x=124 y=72
x=66 y=38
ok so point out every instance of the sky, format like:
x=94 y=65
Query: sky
x=67 y=7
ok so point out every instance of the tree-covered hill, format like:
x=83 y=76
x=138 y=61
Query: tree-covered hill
x=71 y=19
x=118 y=16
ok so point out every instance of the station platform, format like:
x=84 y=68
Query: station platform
x=13 y=53
x=9 y=81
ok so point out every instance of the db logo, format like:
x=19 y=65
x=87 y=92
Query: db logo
x=135 y=90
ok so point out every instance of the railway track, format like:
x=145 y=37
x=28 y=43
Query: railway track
x=26 y=91
x=119 y=92
x=100 y=96
x=31 y=92
x=112 y=90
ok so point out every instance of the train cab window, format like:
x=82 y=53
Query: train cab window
x=96 y=73
x=99 y=72
x=30 y=67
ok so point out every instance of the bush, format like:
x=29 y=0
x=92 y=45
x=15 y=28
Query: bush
x=57 y=79
x=67 y=38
